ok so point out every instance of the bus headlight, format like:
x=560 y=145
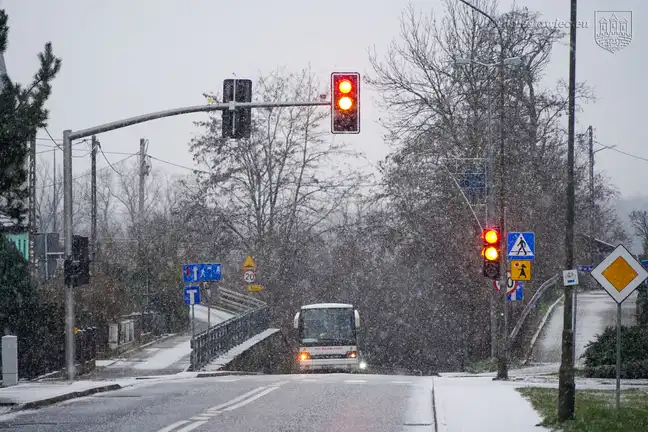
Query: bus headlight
x=363 y=365
x=304 y=356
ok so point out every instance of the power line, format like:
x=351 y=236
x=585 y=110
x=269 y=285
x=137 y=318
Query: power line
x=603 y=146
x=104 y=155
x=176 y=165
x=88 y=173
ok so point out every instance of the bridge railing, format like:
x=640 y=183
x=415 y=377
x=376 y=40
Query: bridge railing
x=217 y=340
x=532 y=304
x=234 y=302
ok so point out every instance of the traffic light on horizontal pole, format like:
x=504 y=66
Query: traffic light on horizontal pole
x=237 y=123
x=491 y=238
x=345 y=103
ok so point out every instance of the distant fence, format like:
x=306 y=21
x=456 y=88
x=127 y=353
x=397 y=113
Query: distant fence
x=232 y=301
x=217 y=340
x=532 y=305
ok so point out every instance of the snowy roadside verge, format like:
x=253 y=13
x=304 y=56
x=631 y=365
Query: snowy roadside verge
x=541 y=327
x=29 y=395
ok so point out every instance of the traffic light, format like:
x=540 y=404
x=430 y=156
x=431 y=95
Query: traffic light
x=237 y=124
x=345 y=103
x=77 y=271
x=491 y=252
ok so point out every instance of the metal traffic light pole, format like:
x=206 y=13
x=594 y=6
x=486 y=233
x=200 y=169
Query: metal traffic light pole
x=502 y=367
x=69 y=136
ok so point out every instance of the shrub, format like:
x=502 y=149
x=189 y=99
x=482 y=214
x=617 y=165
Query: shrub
x=600 y=355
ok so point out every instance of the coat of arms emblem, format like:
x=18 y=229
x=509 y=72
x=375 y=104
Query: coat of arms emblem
x=613 y=29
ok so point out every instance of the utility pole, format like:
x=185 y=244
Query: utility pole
x=490 y=216
x=93 y=202
x=67 y=219
x=566 y=385
x=590 y=138
x=32 y=209
x=54 y=197
x=143 y=171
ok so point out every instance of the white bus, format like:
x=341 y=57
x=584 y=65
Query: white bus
x=328 y=337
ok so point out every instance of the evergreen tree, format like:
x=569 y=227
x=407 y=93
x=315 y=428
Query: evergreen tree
x=22 y=113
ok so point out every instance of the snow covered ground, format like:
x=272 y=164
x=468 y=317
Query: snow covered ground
x=484 y=405
x=169 y=356
x=595 y=311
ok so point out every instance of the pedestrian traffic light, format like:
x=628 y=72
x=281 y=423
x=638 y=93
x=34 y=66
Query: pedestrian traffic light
x=345 y=103
x=237 y=123
x=491 y=252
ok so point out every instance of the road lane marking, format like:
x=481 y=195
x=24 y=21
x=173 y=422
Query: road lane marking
x=251 y=399
x=192 y=426
x=355 y=381
x=173 y=426
x=230 y=405
x=236 y=399
x=401 y=382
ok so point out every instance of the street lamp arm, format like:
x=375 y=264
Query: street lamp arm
x=491 y=19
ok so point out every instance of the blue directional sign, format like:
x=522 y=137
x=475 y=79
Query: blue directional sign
x=192 y=294
x=585 y=268
x=521 y=246
x=518 y=294
x=193 y=273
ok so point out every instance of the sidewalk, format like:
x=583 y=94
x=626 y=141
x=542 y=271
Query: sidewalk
x=481 y=404
x=35 y=395
x=167 y=357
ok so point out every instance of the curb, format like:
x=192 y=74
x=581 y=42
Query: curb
x=65 y=397
x=434 y=410
x=224 y=373
x=540 y=327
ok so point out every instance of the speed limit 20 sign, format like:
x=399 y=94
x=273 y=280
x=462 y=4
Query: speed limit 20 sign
x=249 y=276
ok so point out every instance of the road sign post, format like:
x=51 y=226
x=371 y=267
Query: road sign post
x=619 y=274
x=249 y=268
x=192 y=297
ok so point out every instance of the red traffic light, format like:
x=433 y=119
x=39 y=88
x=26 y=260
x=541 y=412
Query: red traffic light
x=491 y=236
x=345 y=103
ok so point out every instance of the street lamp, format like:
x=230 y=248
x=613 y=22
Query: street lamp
x=502 y=367
x=490 y=208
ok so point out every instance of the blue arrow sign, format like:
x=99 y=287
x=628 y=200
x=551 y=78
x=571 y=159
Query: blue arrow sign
x=192 y=295
x=193 y=273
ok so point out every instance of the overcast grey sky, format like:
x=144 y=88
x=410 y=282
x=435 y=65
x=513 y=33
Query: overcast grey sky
x=123 y=58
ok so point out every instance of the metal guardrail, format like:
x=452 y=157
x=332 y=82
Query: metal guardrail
x=217 y=340
x=534 y=300
x=231 y=301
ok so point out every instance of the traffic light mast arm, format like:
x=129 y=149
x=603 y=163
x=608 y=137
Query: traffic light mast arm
x=106 y=127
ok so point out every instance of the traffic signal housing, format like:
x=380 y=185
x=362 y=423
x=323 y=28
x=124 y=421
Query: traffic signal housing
x=237 y=124
x=345 y=103
x=77 y=269
x=491 y=252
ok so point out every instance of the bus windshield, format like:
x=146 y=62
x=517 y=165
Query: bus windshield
x=330 y=326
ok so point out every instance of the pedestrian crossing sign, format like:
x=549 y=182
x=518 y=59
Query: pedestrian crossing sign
x=521 y=246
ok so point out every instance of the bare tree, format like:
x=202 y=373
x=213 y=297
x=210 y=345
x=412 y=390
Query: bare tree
x=279 y=188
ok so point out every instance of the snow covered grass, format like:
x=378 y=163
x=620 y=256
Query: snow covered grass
x=595 y=410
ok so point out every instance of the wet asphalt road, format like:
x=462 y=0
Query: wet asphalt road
x=313 y=403
x=596 y=310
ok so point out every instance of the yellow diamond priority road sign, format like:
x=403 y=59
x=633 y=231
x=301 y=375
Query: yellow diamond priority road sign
x=619 y=274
